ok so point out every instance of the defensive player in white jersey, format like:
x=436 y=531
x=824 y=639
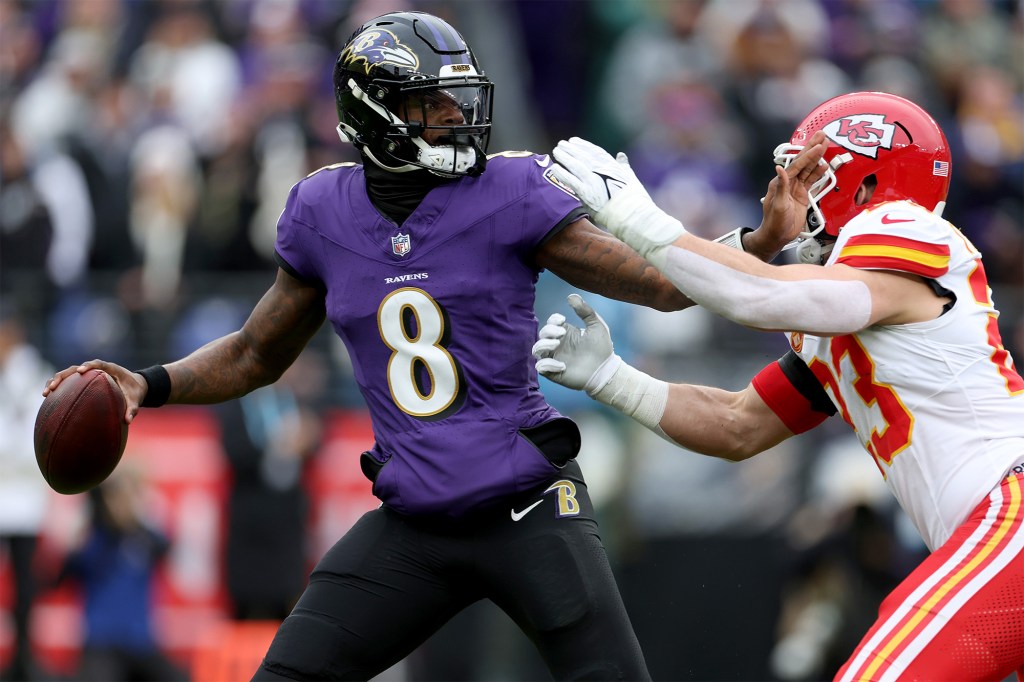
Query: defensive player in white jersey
x=897 y=333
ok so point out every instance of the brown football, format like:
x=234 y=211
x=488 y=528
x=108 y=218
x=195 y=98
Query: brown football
x=80 y=432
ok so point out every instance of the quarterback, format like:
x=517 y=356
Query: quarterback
x=424 y=259
x=897 y=334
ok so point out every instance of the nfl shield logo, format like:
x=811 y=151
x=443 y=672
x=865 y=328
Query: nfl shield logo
x=400 y=244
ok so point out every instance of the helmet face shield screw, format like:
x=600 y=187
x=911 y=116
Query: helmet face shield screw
x=391 y=146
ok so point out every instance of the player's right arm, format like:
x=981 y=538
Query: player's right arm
x=782 y=400
x=731 y=425
x=279 y=327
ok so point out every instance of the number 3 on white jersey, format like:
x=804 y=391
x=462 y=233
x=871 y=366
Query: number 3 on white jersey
x=424 y=379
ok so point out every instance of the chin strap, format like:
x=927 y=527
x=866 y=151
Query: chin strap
x=813 y=251
x=438 y=160
x=444 y=158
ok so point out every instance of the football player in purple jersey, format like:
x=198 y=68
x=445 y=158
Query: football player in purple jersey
x=424 y=259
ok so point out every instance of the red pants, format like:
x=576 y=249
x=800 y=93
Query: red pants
x=960 y=614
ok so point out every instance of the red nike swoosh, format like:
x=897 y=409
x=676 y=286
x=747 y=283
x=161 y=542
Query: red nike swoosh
x=886 y=220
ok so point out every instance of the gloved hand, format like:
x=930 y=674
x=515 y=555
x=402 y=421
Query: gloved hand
x=581 y=359
x=593 y=174
x=611 y=190
x=584 y=359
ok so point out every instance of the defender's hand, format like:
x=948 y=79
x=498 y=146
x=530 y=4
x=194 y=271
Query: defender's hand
x=611 y=190
x=593 y=174
x=584 y=359
x=581 y=359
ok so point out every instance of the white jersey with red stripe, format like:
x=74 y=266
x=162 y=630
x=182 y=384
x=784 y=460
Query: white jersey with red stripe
x=938 y=404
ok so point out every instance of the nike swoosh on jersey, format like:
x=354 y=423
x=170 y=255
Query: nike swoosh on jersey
x=520 y=514
x=543 y=161
x=886 y=220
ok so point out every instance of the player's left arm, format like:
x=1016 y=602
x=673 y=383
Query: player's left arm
x=593 y=260
x=617 y=199
x=830 y=301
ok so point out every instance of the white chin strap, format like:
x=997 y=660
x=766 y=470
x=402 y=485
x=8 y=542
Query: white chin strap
x=444 y=159
x=813 y=252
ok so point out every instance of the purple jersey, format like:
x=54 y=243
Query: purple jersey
x=438 y=318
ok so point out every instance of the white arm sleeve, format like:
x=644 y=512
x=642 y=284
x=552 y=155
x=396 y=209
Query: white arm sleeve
x=821 y=306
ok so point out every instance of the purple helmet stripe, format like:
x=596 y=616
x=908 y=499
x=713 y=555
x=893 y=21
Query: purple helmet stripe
x=446 y=43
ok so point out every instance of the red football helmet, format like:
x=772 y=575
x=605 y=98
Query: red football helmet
x=870 y=133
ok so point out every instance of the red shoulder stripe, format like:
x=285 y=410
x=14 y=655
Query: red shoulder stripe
x=890 y=252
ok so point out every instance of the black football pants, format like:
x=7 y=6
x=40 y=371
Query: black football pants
x=392 y=581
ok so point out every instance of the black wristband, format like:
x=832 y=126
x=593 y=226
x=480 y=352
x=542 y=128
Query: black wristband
x=159 y=382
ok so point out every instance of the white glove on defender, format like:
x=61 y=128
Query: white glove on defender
x=584 y=359
x=611 y=190
x=580 y=359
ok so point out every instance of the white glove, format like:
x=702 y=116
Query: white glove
x=580 y=359
x=584 y=359
x=593 y=174
x=619 y=202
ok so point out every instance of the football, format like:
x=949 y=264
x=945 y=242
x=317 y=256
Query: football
x=80 y=432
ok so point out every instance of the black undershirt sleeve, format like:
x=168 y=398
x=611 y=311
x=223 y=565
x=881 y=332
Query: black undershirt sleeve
x=569 y=219
x=287 y=267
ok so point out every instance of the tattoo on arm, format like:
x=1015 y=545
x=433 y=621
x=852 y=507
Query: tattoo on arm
x=277 y=330
x=593 y=260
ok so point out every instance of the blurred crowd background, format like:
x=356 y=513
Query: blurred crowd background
x=146 y=150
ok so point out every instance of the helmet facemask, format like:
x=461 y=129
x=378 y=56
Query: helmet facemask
x=814 y=243
x=438 y=124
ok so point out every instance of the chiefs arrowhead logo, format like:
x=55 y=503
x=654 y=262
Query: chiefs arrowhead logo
x=862 y=133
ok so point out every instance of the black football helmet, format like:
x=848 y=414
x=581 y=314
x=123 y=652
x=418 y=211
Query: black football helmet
x=402 y=66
